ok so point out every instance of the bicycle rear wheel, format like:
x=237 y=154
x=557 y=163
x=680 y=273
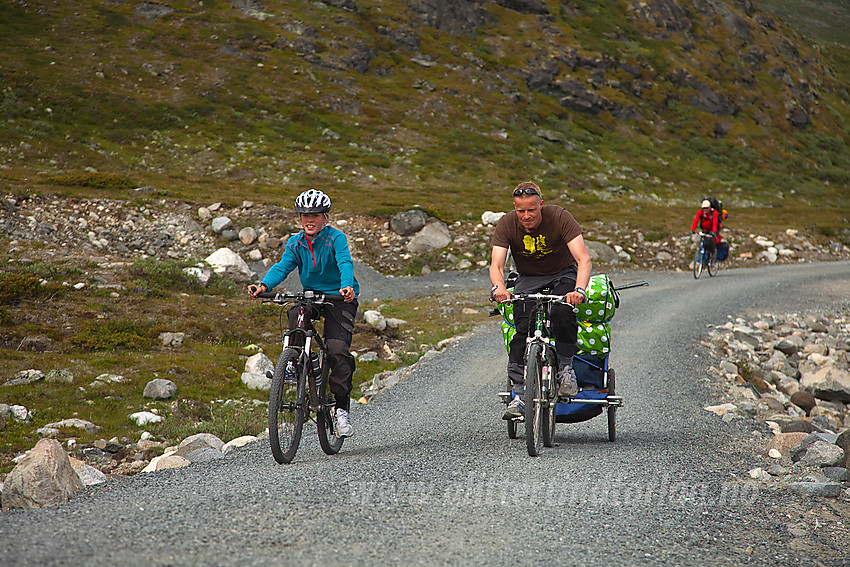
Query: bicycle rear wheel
x=511 y=422
x=328 y=439
x=287 y=406
x=551 y=404
x=533 y=405
x=712 y=264
x=698 y=262
x=612 y=410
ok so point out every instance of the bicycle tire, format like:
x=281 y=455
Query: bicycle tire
x=612 y=410
x=549 y=419
x=533 y=406
x=287 y=405
x=712 y=264
x=325 y=422
x=512 y=433
x=698 y=262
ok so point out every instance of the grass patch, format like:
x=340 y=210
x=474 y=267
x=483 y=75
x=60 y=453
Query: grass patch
x=95 y=180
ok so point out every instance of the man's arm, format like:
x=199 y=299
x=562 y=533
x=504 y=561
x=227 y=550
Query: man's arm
x=497 y=273
x=579 y=251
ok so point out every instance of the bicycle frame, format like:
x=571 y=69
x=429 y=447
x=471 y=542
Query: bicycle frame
x=301 y=338
x=540 y=335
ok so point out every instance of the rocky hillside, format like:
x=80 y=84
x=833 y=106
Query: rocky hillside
x=432 y=102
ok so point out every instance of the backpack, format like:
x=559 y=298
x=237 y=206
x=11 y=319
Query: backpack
x=722 y=213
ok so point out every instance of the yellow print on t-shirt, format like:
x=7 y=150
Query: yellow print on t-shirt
x=535 y=245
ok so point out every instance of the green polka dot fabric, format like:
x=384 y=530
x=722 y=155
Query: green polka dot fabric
x=601 y=300
x=594 y=338
x=508 y=328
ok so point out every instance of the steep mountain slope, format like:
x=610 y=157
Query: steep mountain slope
x=433 y=102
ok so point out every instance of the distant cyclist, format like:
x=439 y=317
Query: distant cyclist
x=548 y=249
x=709 y=221
x=321 y=254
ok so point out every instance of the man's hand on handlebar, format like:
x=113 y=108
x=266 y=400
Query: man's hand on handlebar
x=347 y=293
x=253 y=290
x=500 y=294
x=575 y=297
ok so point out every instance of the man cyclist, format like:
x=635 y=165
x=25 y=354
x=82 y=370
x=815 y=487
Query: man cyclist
x=709 y=221
x=549 y=252
x=321 y=254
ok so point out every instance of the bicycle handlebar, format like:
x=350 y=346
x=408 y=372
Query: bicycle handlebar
x=312 y=296
x=540 y=297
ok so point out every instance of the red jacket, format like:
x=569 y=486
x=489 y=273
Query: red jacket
x=708 y=223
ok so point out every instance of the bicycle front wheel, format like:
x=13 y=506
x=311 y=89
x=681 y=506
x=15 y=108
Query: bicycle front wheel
x=287 y=402
x=329 y=440
x=698 y=262
x=533 y=401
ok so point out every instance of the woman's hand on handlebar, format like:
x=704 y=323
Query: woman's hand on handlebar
x=253 y=290
x=347 y=294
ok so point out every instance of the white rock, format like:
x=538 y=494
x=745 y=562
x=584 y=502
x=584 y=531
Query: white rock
x=202 y=275
x=774 y=454
x=375 y=319
x=489 y=218
x=143 y=418
x=227 y=263
x=259 y=364
x=238 y=442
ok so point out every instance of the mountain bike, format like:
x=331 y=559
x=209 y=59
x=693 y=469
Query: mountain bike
x=541 y=370
x=704 y=258
x=299 y=386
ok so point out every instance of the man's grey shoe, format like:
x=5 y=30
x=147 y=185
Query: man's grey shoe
x=515 y=409
x=567 y=384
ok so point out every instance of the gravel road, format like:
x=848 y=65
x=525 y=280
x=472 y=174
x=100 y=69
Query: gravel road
x=430 y=476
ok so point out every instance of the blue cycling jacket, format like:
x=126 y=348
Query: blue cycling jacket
x=324 y=264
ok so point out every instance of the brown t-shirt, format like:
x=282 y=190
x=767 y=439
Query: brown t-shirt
x=544 y=250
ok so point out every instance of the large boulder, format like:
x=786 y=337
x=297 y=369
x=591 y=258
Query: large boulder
x=227 y=263
x=601 y=252
x=410 y=222
x=432 y=237
x=43 y=477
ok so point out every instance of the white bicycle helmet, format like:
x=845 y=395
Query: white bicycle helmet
x=312 y=201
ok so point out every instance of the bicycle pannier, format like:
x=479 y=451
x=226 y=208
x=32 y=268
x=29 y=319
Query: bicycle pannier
x=602 y=300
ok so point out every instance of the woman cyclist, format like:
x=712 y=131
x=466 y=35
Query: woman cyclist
x=321 y=254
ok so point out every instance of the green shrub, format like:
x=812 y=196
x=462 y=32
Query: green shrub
x=15 y=286
x=113 y=335
x=96 y=179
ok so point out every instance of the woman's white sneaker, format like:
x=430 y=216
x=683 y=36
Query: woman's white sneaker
x=343 y=423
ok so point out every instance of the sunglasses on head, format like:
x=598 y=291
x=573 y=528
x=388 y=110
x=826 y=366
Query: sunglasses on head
x=526 y=191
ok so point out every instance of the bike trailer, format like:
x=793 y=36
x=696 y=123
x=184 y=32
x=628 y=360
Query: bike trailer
x=593 y=396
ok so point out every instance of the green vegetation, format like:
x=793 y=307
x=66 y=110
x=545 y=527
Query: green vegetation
x=95 y=180
x=112 y=335
x=206 y=101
